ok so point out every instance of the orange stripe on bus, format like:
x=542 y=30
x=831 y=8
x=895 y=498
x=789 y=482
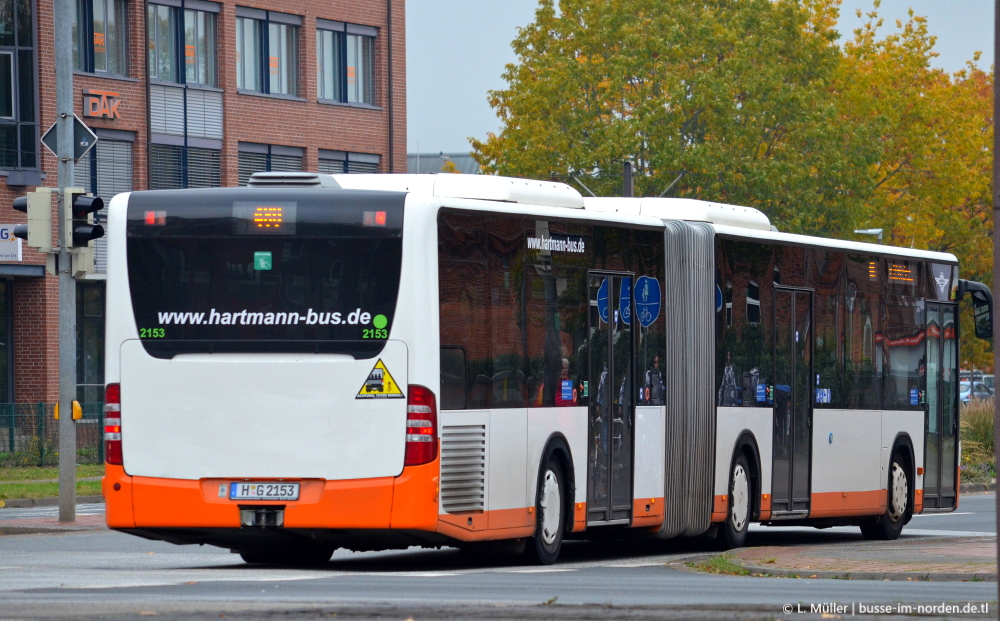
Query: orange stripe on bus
x=415 y=498
x=835 y=504
x=474 y=526
x=117 y=502
x=647 y=512
x=174 y=503
x=579 y=517
x=720 y=507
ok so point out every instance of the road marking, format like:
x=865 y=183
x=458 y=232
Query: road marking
x=411 y=574
x=941 y=514
x=946 y=533
x=534 y=571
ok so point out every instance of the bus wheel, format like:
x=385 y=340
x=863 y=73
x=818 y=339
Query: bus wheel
x=733 y=532
x=295 y=556
x=544 y=546
x=889 y=525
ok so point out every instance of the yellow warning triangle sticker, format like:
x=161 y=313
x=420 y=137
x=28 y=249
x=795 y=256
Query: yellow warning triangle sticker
x=380 y=385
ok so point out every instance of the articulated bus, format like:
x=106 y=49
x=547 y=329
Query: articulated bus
x=375 y=362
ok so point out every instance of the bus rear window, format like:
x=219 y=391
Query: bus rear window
x=264 y=270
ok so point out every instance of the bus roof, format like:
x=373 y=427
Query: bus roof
x=728 y=220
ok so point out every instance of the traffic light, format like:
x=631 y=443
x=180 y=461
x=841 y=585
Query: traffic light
x=38 y=231
x=81 y=230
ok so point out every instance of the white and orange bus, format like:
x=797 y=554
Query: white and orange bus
x=383 y=361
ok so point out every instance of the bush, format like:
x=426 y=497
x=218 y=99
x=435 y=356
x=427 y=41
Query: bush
x=978 y=448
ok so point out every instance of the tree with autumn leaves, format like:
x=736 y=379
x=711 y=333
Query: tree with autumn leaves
x=760 y=103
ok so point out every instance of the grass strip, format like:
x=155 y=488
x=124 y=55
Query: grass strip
x=34 y=473
x=721 y=564
x=10 y=491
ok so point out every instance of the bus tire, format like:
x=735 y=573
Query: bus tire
x=299 y=556
x=889 y=525
x=733 y=532
x=550 y=515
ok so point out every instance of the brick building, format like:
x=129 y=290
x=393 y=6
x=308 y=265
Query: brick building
x=182 y=94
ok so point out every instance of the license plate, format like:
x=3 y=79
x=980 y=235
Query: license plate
x=254 y=490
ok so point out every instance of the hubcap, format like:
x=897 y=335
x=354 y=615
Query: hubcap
x=741 y=498
x=550 y=507
x=900 y=493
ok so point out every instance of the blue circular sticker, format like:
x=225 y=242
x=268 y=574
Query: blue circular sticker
x=647 y=300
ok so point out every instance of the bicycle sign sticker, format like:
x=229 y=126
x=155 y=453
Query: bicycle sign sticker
x=647 y=300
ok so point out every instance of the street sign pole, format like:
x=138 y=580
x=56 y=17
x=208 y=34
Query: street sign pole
x=64 y=10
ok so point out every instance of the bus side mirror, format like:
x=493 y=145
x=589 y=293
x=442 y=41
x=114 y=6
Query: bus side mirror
x=982 y=306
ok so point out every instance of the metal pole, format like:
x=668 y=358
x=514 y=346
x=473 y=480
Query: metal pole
x=64 y=12
x=40 y=413
x=627 y=189
x=996 y=239
x=392 y=87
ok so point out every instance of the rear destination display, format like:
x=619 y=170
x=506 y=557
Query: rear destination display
x=221 y=272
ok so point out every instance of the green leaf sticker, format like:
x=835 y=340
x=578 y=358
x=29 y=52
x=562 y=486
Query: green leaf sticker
x=262 y=261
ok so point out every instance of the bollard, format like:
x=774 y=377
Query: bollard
x=41 y=434
x=10 y=430
x=100 y=434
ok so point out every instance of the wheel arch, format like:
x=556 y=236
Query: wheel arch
x=746 y=445
x=903 y=444
x=558 y=447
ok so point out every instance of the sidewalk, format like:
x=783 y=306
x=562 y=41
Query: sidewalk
x=954 y=559
x=40 y=525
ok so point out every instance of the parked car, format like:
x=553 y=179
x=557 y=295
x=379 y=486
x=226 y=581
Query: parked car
x=973 y=390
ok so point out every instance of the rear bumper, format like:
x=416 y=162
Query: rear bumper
x=171 y=507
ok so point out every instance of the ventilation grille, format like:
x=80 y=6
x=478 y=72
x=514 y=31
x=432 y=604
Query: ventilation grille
x=463 y=468
x=289 y=179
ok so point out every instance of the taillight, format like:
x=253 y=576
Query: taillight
x=421 y=426
x=113 y=424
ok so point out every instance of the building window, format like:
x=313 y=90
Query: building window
x=99 y=36
x=255 y=158
x=18 y=123
x=729 y=304
x=106 y=170
x=257 y=32
x=196 y=53
x=342 y=162
x=176 y=166
x=90 y=342
x=753 y=302
x=162 y=25
x=345 y=62
x=199 y=47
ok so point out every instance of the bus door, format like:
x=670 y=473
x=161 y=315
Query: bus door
x=793 y=336
x=941 y=403
x=610 y=346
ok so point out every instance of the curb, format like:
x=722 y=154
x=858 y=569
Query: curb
x=44 y=530
x=976 y=488
x=894 y=576
x=762 y=571
x=27 y=503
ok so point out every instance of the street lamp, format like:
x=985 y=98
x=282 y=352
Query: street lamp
x=876 y=232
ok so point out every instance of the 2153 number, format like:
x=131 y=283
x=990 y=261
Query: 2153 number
x=151 y=333
x=374 y=333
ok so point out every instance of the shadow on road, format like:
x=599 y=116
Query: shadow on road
x=573 y=553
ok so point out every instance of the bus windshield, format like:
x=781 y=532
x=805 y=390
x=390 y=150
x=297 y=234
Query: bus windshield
x=262 y=270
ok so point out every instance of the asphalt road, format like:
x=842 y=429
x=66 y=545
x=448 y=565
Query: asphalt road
x=111 y=575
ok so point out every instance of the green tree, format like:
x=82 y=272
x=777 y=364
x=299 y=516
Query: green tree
x=931 y=184
x=736 y=95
